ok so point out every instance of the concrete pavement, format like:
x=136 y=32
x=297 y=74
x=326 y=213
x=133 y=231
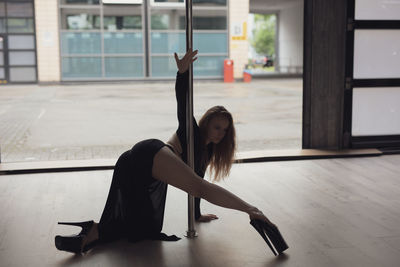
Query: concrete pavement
x=88 y=121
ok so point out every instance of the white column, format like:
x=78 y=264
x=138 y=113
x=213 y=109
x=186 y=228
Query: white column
x=47 y=40
x=238 y=43
x=291 y=38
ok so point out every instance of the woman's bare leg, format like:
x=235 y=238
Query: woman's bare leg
x=168 y=168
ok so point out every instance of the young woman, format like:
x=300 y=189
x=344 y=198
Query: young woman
x=136 y=200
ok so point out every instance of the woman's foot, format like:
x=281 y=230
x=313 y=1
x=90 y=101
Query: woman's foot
x=81 y=242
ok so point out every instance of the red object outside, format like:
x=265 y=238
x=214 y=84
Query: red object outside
x=228 y=71
x=246 y=77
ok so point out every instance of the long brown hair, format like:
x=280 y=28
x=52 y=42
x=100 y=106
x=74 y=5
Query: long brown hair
x=223 y=153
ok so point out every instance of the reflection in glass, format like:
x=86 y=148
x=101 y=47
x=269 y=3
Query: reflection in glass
x=160 y=22
x=126 y=17
x=124 y=66
x=85 y=67
x=80 y=43
x=1 y=42
x=83 y=22
x=125 y=43
x=206 y=23
x=2 y=74
x=19 y=9
x=20 y=25
x=21 y=42
x=122 y=23
x=174 y=19
x=1 y=59
x=21 y=58
x=25 y=74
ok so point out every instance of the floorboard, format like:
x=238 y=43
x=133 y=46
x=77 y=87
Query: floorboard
x=332 y=212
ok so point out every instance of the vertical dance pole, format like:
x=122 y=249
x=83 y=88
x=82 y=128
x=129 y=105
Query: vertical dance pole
x=191 y=232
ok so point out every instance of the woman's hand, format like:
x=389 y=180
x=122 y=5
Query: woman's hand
x=255 y=213
x=184 y=63
x=207 y=218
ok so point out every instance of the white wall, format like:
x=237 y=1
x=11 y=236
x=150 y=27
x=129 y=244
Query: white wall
x=290 y=39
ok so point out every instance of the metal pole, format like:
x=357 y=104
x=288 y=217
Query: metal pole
x=191 y=232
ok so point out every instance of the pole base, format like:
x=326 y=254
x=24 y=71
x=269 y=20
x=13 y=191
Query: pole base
x=190 y=234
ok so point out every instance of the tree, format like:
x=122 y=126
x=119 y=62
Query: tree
x=263 y=39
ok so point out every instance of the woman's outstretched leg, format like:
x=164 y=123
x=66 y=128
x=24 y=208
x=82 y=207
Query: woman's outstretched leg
x=168 y=168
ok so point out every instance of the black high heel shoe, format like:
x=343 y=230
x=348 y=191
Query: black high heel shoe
x=265 y=229
x=73 y=243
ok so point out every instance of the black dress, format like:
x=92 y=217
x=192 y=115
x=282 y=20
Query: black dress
x=136 y=201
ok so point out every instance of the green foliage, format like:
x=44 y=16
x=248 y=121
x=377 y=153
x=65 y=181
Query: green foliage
x=263 y=39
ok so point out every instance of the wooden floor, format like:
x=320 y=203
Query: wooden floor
x=332 y=212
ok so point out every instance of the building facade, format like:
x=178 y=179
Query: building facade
x=94 y=40
x=17 y=42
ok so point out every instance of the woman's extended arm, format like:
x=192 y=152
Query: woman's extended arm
x=171 y=170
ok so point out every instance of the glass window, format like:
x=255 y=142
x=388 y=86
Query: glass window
x=122 y=18
x=167 y=19
x=79 y=19
x=83 y=22
x=122 y=23
x=209 y=2
x=79 y=2
x=167 y=2
x=1 y=59
x=1 y=42
x=80 y=43
x=211 y=42
x=81 y=67
x=207 y=19
x=2 y=74
x=20 y=25
x=19 y=9
x=2 y=25
x=162 y=42
x=209 y=66
x=2 y=9
x=122 y=42
x=23 y=74
x=377 y=10
x=21 y=42
x=165 y=66
x=124 y=66
x=376 y=54
x=376 y=111
x=21 y=58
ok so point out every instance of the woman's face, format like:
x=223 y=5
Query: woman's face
x=217 y=129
